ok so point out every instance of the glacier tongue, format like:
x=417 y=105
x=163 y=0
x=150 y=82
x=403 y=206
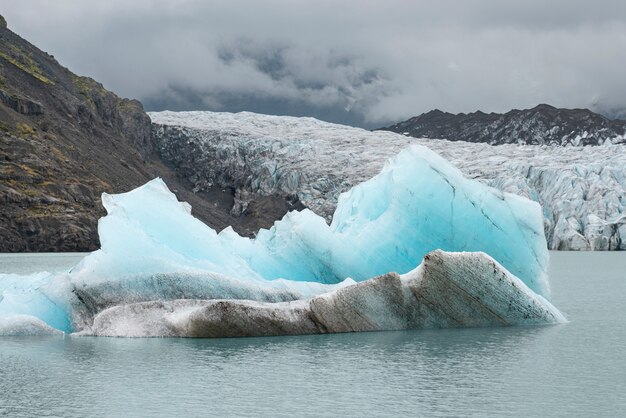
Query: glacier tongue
x=582 y=189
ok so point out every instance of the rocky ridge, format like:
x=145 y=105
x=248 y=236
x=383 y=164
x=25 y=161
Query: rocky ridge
x=541 y=125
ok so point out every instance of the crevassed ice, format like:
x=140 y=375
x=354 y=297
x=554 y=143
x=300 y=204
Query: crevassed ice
x=582 y=189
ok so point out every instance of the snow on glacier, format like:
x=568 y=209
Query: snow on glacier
x=152 y=248
x=582 y=189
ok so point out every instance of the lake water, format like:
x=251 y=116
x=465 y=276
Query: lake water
x=575 y=369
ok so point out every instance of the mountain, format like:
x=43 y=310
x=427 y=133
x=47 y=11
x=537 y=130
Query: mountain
x=540 y=125
x=582 y=189
x=65 y=139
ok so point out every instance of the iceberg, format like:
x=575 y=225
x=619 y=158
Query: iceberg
x=480 y=254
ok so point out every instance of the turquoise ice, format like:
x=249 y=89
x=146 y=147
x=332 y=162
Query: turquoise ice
x=418 y=203
x=42 y=295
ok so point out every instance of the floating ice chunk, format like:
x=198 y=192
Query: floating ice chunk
x=420 y=203
x=147 y=230
x=21 y=325
x=41 y=295
x=154 y=252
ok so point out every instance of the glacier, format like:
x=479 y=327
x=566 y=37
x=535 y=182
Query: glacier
x=582 y=190
x=416 y=246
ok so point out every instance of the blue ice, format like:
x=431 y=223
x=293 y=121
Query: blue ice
x=418 y=203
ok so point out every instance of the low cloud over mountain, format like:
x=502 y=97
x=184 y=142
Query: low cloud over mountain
x=359 y=62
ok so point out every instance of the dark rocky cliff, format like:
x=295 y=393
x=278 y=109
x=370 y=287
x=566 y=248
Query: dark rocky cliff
x=65 y=139
x=540 y=125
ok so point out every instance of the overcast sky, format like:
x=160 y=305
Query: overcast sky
x=358 y=62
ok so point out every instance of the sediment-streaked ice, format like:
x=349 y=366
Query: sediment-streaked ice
x=448 y=290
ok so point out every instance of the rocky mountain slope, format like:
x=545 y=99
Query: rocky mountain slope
x=582 y=189
x=540 y=125
x=64 y=140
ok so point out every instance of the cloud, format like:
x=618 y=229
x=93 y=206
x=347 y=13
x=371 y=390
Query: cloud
x=359 y=62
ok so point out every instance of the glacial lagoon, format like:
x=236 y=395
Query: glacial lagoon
x=572 y=369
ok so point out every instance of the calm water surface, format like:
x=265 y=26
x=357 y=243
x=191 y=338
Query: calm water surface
x=25 y=263
x=575 y=369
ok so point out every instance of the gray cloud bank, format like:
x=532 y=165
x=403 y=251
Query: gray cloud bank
x=358 y=62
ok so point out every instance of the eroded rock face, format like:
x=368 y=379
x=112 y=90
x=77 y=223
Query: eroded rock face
x=22 y=105
x=64 y=140
x=446 y=290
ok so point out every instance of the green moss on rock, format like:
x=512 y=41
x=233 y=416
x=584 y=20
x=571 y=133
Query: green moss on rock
x=26 y=64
